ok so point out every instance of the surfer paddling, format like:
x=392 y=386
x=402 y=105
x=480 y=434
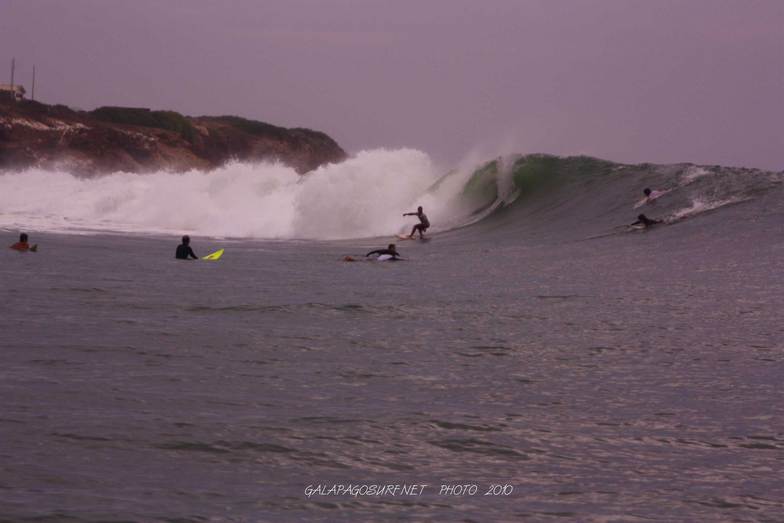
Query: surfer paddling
x=184 y=249
x=650 y=196
x=644 y=221
x=389 y=251
x=423 y=224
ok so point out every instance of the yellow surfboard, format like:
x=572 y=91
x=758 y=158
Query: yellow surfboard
x=213 y=256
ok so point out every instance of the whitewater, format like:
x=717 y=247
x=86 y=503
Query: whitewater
x=535 y=348
x=362 y=197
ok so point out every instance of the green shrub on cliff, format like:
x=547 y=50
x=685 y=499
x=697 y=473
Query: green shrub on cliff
x=254 y=127
x=169 y=120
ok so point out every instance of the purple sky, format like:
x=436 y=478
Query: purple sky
x=628 y=80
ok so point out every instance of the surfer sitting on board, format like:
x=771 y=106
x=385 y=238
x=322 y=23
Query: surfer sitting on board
x=389 y=251
x=423 y=224
x=22 y=245
x=645 y=221
x=184 y=249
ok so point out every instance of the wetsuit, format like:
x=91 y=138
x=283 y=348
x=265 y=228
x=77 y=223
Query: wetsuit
x=380 y=252
x=183 y=251
x=21 y=246
x=645 y=221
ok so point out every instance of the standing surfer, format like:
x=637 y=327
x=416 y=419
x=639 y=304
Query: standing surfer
x=423 y=224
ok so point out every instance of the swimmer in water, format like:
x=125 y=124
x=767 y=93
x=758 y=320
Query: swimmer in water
x=184 y=249
x=23 y=246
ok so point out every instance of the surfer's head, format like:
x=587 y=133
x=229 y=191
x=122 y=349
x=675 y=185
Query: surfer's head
x=186 y=239
x=642 y=217
x=391 y=246
x=23 y=237
x=646 y=191
x=419 y=209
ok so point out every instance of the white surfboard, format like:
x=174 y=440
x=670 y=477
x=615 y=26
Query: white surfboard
x=649 y=199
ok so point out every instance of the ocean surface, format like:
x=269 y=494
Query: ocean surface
x=533 y=361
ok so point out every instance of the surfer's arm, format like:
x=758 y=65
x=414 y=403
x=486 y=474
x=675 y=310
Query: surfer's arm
x=192 y=254
x=372 y=252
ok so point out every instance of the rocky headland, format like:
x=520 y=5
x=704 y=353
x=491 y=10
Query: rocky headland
x=139 y=140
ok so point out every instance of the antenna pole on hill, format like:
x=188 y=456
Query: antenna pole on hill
x=33 y=95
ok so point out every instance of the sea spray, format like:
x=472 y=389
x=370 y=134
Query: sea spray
x=361 y=197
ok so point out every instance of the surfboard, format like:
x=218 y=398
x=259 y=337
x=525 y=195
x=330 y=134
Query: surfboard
x=385 y=257
x=214 y=256
x=404 y=237
x=653 y=197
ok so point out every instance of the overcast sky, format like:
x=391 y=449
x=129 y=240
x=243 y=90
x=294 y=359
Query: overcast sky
x=628 y=80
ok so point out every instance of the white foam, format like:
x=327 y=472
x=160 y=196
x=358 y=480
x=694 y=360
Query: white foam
x=693 y=173
x=361 y=197
x=699 y=206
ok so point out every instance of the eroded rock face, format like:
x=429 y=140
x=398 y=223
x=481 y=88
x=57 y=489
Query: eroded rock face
x=116 y=139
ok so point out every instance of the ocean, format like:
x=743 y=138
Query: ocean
x=534 y=361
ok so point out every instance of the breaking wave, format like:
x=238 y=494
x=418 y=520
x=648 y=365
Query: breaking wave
x=366 y=195
x=363 y=196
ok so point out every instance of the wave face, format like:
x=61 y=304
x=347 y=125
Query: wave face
x=366 y=195
x=547 y=195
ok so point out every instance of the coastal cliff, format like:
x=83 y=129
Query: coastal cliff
x=112 y=139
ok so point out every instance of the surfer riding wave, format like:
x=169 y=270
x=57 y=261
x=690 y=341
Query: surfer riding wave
x=423 y=224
